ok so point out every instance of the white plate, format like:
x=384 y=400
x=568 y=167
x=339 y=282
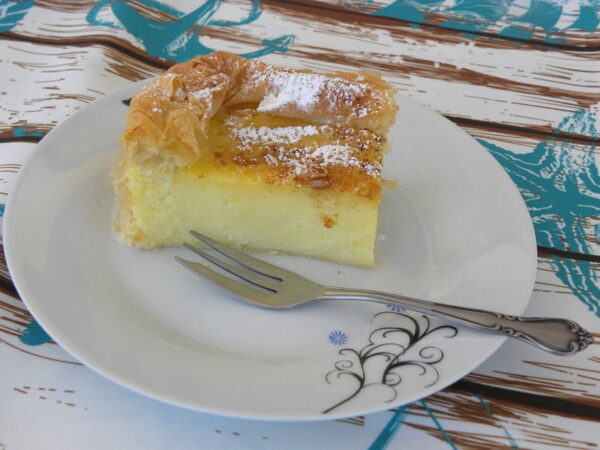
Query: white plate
x=457 y=231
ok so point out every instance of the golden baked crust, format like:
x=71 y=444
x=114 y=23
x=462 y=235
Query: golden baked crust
x=168 y=119
x=172 y=121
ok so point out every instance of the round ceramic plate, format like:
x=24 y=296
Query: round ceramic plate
x=456 y=231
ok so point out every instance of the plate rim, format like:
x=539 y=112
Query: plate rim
x=22 y=288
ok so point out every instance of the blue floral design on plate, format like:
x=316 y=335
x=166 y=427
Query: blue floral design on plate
x=394 y=307
x=338 y=337
x=399 y=341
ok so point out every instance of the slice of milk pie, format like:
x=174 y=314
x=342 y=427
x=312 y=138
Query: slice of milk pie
x=256 y=156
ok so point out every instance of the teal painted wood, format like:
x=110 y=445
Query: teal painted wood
x=511 y=440
x=562 y=193
x=179 y=39
x=11 y=12
x=389 y=431
x=34 y=334
x=551 y=17
x=439 y=426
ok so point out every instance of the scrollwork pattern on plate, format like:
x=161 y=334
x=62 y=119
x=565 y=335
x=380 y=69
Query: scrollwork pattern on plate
x=398 y=342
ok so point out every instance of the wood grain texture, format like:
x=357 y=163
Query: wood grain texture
x=523 y=368
x=486 y=79
x=518 y=97
x=566 y=30
x=476 y=422
x=118 y=66
x=576 y=157
x=56 y=82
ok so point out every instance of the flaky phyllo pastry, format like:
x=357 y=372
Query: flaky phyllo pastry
x=255 y=156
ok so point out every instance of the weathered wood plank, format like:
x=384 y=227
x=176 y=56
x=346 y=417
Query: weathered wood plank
x=564 y=287
x=58 y=86
x=477 y=422
x=564 y=25
x=557 y=162
x=575 y=378
x=483 y=79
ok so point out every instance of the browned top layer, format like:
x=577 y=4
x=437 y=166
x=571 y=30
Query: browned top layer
x=280 y=150
x=167 y=120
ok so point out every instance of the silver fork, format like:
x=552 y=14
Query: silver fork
x=269 y=286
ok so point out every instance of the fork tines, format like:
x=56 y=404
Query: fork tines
x=246 y=268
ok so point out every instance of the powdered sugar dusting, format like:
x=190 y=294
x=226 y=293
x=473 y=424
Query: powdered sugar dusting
x=303 y=161
x=179 y=95
x=276 y=135
x=284 y=146
x=289 y=88
x=304 y=91
x=204 y=95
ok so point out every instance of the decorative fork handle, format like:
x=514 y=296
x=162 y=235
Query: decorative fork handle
x=559 y=336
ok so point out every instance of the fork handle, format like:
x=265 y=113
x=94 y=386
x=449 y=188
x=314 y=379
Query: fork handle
x=559 y=336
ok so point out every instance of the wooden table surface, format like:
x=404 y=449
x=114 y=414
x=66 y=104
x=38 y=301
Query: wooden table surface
x=520 y=76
